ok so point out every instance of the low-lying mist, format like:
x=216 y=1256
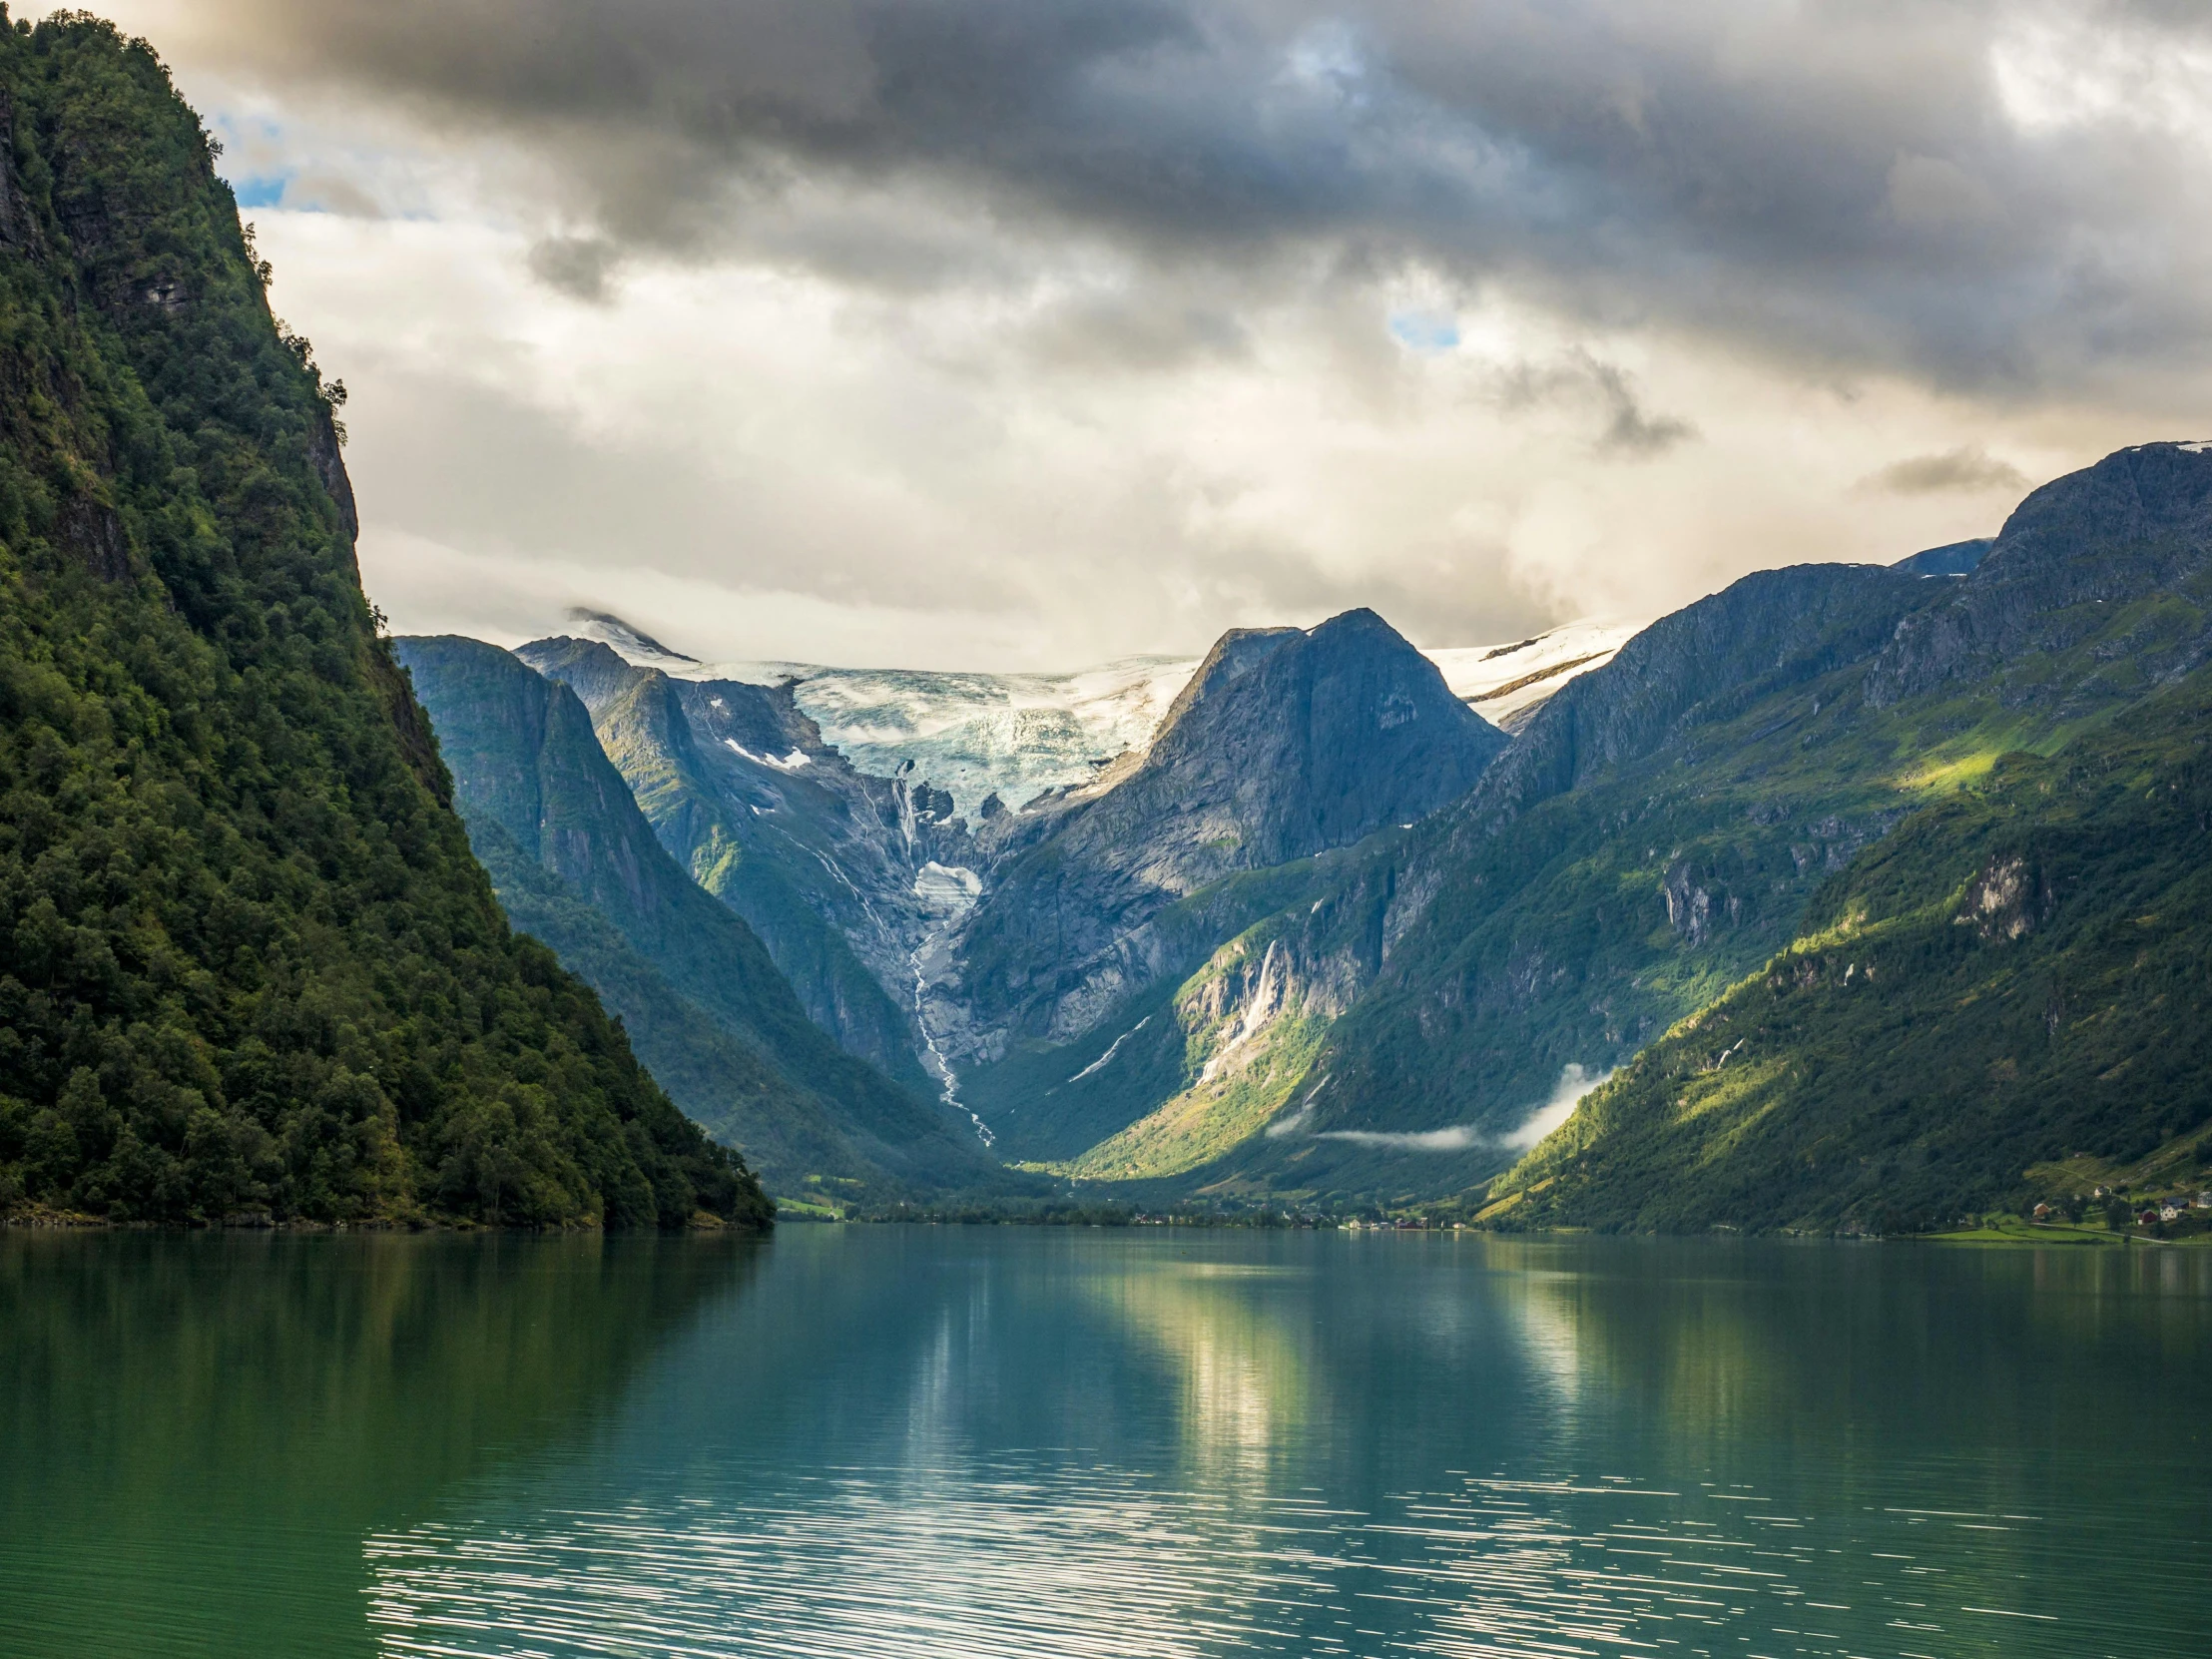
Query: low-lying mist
x=1576 y=1081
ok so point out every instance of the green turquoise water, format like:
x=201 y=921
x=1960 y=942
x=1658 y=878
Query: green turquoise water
x=998 y=1441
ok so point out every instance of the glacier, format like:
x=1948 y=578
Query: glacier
x=1018 y=736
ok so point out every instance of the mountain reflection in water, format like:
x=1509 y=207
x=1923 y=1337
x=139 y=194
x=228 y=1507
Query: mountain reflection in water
x=1002 y=1441
x=202 y=1429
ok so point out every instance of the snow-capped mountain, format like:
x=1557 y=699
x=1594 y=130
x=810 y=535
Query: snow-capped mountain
x=1505 y=684
x=1018 y=734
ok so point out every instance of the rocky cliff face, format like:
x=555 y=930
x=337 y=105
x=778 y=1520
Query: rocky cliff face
x=847 y=879
x=1285 y=743
x=1759 y=637
x=576 y=862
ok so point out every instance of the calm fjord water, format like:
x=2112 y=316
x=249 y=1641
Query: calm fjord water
x=1000 y=1441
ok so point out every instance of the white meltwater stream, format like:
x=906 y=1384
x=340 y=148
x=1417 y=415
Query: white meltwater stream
x=949 y=892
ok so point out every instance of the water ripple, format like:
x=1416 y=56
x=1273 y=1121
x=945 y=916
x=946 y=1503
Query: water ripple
x=1082 y=1562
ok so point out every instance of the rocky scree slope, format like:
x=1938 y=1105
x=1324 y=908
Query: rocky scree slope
x=576 y=864
x=247 y=965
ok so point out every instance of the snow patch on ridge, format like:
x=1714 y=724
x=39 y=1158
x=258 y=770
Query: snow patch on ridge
x=1503 y=683
x=796 y=759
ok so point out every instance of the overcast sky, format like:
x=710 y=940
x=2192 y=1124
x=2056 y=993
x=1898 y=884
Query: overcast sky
x=1007 y=334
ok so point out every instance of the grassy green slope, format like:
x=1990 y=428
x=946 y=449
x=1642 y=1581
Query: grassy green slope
x=247 y=962
x=2022 y=973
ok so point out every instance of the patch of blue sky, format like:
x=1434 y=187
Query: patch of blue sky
x=1426 y=334
x=260 y=189
x=255 y=157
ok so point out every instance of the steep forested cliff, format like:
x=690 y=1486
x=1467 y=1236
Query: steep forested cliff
x=246 y=962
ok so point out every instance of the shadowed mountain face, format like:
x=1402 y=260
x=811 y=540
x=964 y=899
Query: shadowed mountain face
x=820 y=860
x=1285 y=743
x=576 y=863
x=1771 y=631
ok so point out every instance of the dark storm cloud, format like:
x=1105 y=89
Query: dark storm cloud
x=581 y=267
x=1968 y=469
x=1629 y=431
x=1844 y=182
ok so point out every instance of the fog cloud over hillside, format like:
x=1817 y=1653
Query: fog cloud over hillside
x=983 y=329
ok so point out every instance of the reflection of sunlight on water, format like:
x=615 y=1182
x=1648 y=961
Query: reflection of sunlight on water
x=1243 y=1385
x=977 y=1561
x=1013 y=1560
x=1549 y=1327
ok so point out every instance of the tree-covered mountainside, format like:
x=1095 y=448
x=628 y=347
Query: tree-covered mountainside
x=246 y=962
x=577 y=866
x=2020 y=976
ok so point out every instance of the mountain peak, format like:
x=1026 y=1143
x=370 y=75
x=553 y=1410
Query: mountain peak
x=1287 y=743
x=2134 y=526
x=632 y=643
x=1360 y=617
x=1347 y=717
x=2150 y=493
